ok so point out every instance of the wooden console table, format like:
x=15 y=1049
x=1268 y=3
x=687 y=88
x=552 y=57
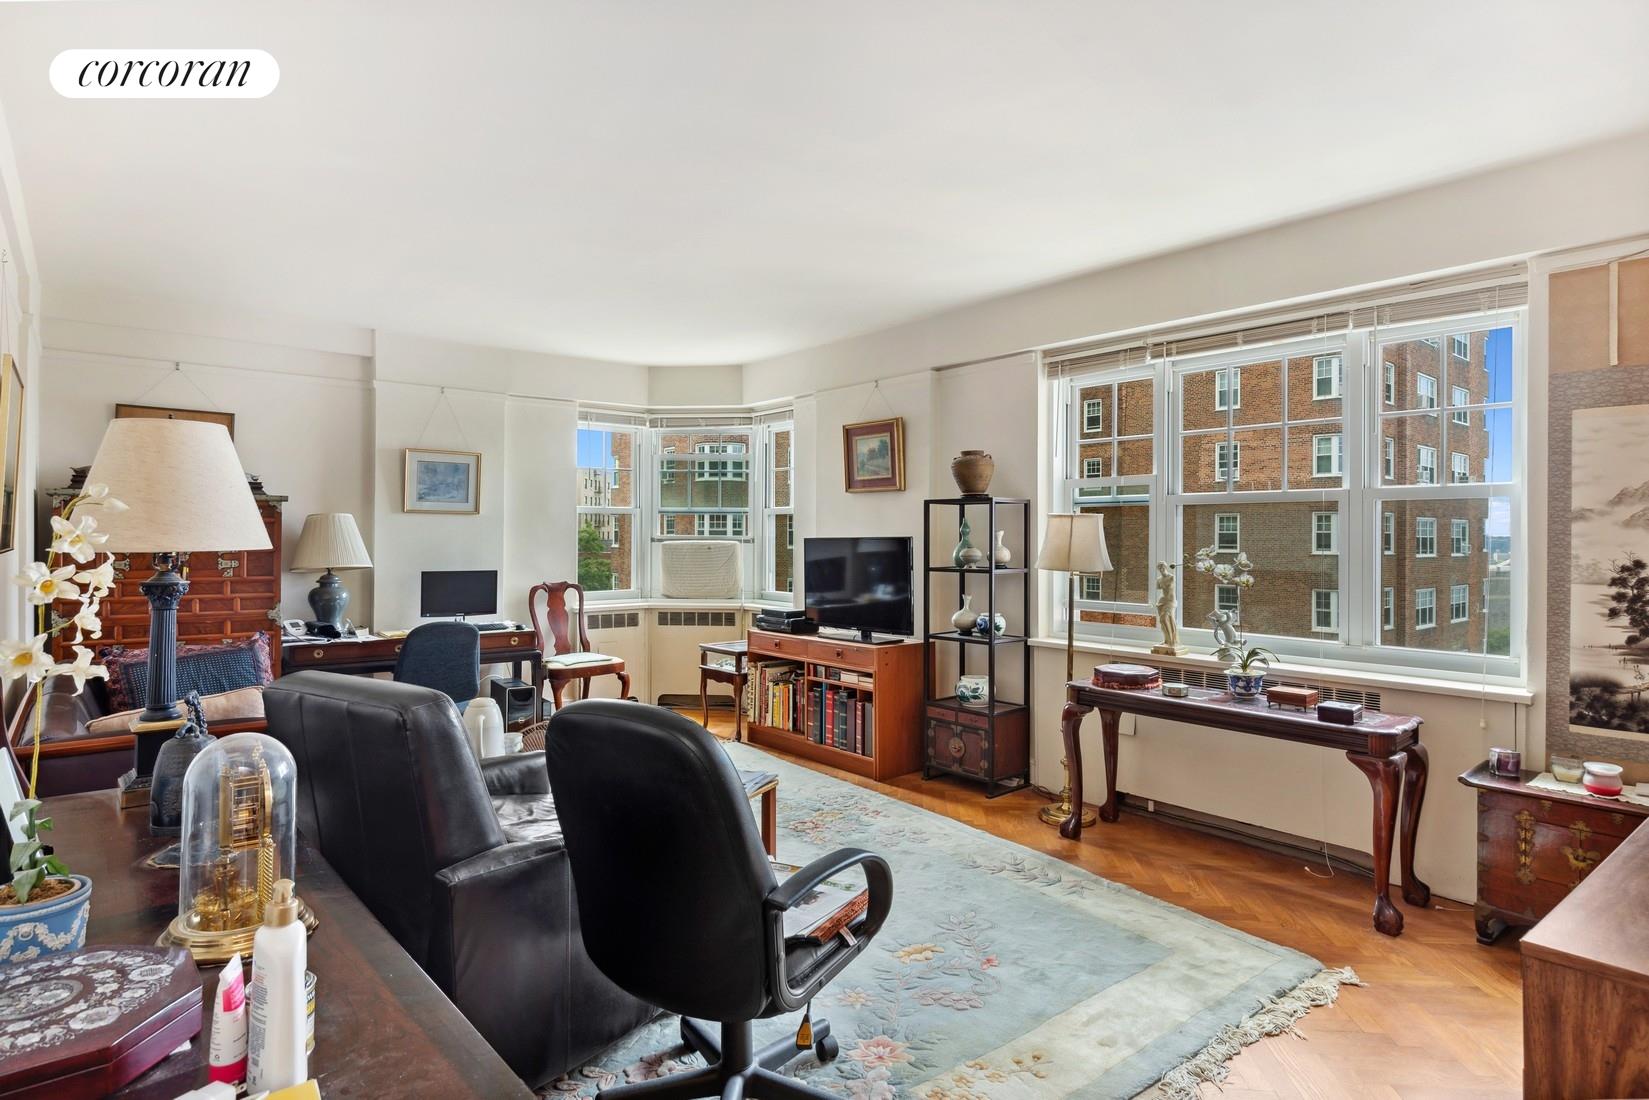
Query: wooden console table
x=1385 y=747
x=382 y=1028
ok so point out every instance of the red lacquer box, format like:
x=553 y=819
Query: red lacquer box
x=1128 y=677
x=96 y=1019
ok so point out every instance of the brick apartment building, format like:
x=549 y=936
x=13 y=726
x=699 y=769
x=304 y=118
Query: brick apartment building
x=1286 y=433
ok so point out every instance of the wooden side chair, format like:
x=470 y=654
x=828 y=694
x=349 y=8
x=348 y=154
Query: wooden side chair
x=567 y=657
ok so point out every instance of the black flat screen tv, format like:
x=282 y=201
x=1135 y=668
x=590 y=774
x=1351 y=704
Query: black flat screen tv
x=459 y=592
x=861 y=584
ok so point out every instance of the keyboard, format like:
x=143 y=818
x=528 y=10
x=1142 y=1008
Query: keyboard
x=498 y=626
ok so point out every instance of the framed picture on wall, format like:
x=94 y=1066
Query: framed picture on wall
x=161 y=412
x=442 y=482
x=11 y=410
x=873 y=455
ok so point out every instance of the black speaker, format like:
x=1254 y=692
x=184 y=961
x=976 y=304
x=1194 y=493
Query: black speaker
x=515 y=700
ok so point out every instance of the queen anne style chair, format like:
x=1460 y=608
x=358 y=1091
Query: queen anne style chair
x=564 y=661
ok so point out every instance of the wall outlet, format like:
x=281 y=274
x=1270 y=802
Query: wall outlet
x=1150 y=805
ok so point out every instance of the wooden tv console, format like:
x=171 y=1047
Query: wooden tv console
x=894 y=691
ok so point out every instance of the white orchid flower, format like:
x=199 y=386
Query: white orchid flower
x=79 y=540
x=1224 y=572
x=27 y=659
x=98 y=494
x=99 y=581
x=87 y=623
x=46 y=585
x=81 y=669
x=1244 y=580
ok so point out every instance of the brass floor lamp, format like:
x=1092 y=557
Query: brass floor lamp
x=1073 y=544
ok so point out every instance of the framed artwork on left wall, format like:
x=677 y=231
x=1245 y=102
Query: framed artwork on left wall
x=11 y=411
x=442 y=482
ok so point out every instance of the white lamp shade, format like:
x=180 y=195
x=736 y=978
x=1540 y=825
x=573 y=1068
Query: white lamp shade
x=183 y=487
x=1074 y=542
x=330 y=540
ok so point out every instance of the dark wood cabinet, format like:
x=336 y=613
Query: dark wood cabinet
x=1534 y=847
x=233 y=594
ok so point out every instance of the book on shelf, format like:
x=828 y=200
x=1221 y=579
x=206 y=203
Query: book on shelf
x=826 y=910
x=778 y=696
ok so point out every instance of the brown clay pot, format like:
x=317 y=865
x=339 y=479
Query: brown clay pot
x=972 y=471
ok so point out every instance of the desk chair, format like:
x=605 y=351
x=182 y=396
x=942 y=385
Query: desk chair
x=678 y=903
x=443 y=656
x=567 y=657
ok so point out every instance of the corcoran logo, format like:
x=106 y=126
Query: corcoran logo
x=164 y=74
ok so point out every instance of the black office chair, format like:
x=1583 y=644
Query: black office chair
x=677 y=901
x=443 y=656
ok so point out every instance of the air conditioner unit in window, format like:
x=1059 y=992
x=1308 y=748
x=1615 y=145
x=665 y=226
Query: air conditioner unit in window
x=701 y=570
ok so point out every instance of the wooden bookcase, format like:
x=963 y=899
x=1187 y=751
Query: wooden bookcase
x=894 y=692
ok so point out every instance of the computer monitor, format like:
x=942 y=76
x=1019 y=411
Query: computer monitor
x=459 y=592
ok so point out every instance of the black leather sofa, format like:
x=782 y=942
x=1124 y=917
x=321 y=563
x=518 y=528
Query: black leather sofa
x=463 y=864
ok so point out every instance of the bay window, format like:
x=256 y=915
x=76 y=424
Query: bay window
x=608 y=509
x=1315 y=458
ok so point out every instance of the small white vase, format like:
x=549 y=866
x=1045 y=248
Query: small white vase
x=963 y=620
x=1002 y=554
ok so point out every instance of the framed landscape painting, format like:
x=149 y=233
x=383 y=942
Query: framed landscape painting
x=873 y=455
x=442 y=482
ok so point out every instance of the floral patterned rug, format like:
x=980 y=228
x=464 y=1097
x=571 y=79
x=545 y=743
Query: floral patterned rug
x=1004 y=973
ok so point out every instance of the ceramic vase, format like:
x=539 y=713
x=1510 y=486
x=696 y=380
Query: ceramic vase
x=1244 y=685
x=51 y=927
x=973 y=471
x=966 y=554
x=973 y=691
x=984 y=624
x=963 y=620
x=1001 y=555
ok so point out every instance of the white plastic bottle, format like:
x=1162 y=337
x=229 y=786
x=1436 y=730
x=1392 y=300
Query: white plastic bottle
x=280 y=954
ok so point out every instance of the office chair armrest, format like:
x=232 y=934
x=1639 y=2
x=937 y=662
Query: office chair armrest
x=785 y=896
x=517 y=773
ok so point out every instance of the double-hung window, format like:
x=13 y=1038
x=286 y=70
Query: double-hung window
x=702 y=473
x=608 y=510
x=778 y=525
x=1459 y=599
x=1460 y=346
x=1336 y=447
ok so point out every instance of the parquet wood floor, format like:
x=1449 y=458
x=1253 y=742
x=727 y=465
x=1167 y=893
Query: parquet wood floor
x=1440 y=1016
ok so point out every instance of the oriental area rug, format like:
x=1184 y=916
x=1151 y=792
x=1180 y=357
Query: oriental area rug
x=1004 y=974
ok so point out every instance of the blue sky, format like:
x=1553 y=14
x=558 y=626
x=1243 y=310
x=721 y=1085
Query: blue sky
x=595 y=449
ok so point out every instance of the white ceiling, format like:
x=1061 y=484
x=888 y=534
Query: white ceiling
x=709 y=181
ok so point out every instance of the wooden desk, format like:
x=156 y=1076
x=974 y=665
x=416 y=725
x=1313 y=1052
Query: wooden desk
x=382 y=1028
x=518 y=647
x=1586 y=985
x=735 y=674
x=1385 y=747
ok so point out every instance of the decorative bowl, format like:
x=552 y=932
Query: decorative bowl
x=51 y=927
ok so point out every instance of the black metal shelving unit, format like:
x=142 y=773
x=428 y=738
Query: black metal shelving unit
x=989 y=743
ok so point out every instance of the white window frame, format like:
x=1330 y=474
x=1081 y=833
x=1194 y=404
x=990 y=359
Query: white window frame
x=1455 y=342
x=1425 y=532
x=1325 y=599
x=1362 y=497
x=1460 y=468
x=1388 y=462
x=1388 y=533
x=1388 y=608
x=1236 y=532
x=1458 y=411
x=1333 y=376
x=1425 y=464
x=733 y=465
x=602 y=515
x=1388 y=384
x=1322 y=546
x=1228 y=597
x=1227 y=389
x=1425 y=608
x=1098 y=469
x=1460 y=596
x=766 y=543
x=1228 y=457
x=1335 y=454
x=1093 y=416
x=1425 y=391
x=732 y=525
x=1460 y=538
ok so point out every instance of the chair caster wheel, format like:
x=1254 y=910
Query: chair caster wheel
x=826 y=1049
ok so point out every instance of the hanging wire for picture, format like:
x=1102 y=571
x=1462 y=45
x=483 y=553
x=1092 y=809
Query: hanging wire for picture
x=441 y=398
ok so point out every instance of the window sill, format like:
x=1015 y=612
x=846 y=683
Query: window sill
x=1360 y=677
x=648 y=603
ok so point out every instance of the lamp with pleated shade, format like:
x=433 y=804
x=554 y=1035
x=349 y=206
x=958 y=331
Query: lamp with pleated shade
x=1073 y=543
x=330 y=541
x=185 y=492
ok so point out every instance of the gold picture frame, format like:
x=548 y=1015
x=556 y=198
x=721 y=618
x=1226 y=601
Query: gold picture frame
x=445 y=483
x=13 y=405
x=873 y=456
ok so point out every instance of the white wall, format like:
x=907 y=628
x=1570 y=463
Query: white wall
x=19 y=338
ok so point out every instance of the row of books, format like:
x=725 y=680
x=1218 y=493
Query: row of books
x=847 y=676
x=776 y=698
x=842 y=719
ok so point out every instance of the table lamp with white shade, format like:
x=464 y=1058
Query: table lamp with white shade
x=330 y=541
x=1073 y=543
x=185 y=492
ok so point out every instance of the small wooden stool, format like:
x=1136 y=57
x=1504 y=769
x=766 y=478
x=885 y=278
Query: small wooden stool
x=735 y=674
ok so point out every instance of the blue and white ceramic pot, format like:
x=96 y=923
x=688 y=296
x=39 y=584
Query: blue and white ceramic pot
x=971 y=691
x=986 y=625
x=50 y=927
x=1244 y=685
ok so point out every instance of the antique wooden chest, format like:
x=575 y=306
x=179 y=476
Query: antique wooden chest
x=1535 y=846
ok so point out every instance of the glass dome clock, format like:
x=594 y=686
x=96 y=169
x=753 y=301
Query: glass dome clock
x=239 y=835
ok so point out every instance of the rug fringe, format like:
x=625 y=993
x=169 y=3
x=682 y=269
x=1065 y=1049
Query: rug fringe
x=1211 y=1065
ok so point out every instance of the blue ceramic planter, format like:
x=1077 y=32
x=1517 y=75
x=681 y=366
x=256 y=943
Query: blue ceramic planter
x=44 y=928
x=1245 y=685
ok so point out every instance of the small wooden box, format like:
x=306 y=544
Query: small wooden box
x=1128 y=677
x=1285 y=695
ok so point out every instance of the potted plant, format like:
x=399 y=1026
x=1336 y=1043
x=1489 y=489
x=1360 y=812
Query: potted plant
x=1245 y=675
x=1246 y=665
x=44 y=908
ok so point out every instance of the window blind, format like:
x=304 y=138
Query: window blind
x=1433 y=300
